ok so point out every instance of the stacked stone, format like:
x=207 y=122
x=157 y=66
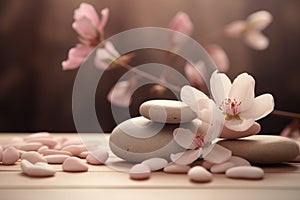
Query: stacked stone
x=151 y=135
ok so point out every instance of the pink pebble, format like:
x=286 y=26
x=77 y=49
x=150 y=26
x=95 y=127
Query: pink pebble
x=10 y=156
x=69 y=142
x=221 y=167
x=245 y=172
x=42 y=149
x=155 y=163
x=34 y=146
x=33 y=157
x=218 y=155
x=38 y=135
x=83 y=154
x=199 y=174
x=97 y=157
x=51 y=143
x=56 y=159
x=75 y=150
x=1 y=152
x=238 y=161
x=207 y=165
x=38 y=169
x=56 y=152
x=140 y=172
x=74 y=164
x=177 y=169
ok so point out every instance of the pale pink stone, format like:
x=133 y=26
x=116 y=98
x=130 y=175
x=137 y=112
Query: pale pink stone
x=221 y=167
x=10 y=156
x=56 y=159
x=33 y=157
x=75 y=150
x=206 y=164
x=40 y=135
x=155 y=163
x=245 y=172
x=16 y=145
x=1 y=152
x=97 y=157
x=39 y=169
x=21 y=152
x=74 y=164
x=33 y=146
x=57 y=146
x=42 y=149
x=70 y=142
x=56 y=152
x=51 y=143
x=140 y=172
x=238 y=161
x=177 y=169
x=218 y=154
x=83 y=154
x=199 y=174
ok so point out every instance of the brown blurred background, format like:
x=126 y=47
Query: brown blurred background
x=35 y=36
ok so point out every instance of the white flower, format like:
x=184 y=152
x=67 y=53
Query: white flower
x=251 y=29
x=235 y=100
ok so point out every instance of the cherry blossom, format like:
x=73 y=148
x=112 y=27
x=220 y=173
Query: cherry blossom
x=120 y=94
x=251 y=29
x=181 y=23
x=90 y=31
x=235 y=101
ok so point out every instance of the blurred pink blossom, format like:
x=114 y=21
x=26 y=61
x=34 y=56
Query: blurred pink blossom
x=120 y=94
x=251 y=29
x=181 y=23
x=90 y=31
x=195 y=73
x=219 y=56
x=108 y=57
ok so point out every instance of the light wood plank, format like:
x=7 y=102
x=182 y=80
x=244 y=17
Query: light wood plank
x=149 y=194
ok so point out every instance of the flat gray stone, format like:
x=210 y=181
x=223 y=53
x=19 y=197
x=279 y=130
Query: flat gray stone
x=263 y=149
x=167 y=111
x=138 y=139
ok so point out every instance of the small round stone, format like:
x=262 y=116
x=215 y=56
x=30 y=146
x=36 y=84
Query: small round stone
x=33 y=157
x=177 y=169
x=75 y=150
x=74 y=164
x=97 y=157
x=38 y=169
x=56 y=158
x=199 y=174
x=10 y=156
x=263 y=149
x=140 y=172
x=167 y=111
x=31 y=146
x=245 y=172
x=155 y=163
x=221 y=168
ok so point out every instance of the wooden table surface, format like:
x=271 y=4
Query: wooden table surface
x=102 y=182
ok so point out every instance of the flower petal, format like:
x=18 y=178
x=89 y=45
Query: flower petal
x=218 y=154
x=85 y=28
x=184 y=137
x=256 y=40
x=194 y=98
x=263 y=105
x=220 y=86
x=219 y=56
x=111 y=49
x=231 y=134
x=242 y=90
x=259 y=20
x=104 y=19
x=193 y=74
x=235 y=29
x=120 y=94
x=239 y=125
x=186 y=157
x=182 y=23
x=88 y=11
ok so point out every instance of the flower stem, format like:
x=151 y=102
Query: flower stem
x=286 y=114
